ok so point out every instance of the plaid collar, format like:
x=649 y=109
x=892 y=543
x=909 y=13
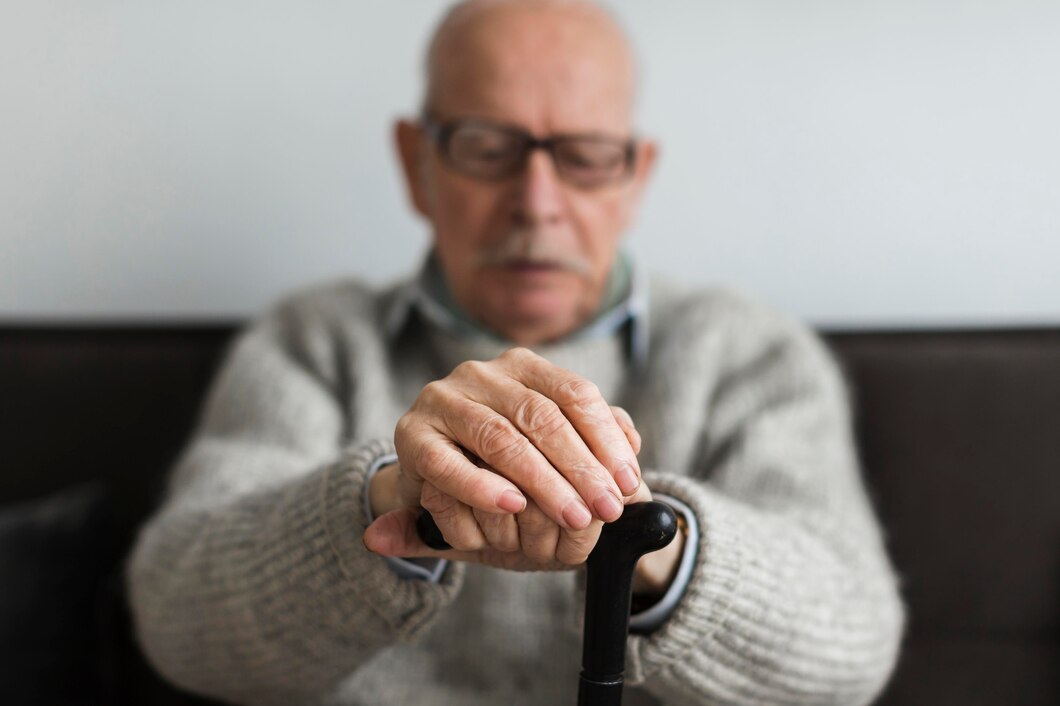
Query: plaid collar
x=625 y=307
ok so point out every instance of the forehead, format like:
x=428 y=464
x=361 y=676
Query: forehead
x=547 y=68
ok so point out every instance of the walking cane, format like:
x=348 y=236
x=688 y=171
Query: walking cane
x=643 y=528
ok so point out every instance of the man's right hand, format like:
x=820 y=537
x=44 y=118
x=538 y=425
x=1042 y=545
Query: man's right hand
x=494 y=434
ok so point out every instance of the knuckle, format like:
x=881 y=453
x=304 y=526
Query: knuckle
x=498 y=532
x=622 y=416
x=574 y=547
x=538 y=543
x=436 y=502
x=408 y=429
x=539 y=549
x=498 y=442
x=534 y=524
x=555 y=491
x=541 y=556
x=468 y=541
x=444 y=467
x=434 y=461
x=463 y=542
x=587 y=473
x=405 y=423
x=571 y=555
x=518 y=353
x=507 y=542
x=532 y=530
x=470 y=368
x=577 y=392
x=433 y=390
x=454 y=522
x=539 y=416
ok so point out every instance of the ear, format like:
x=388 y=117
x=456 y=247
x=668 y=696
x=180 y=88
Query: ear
x=411 y=145
x=647 y=153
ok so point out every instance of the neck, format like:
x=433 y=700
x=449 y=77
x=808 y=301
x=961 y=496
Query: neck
x=529 y=331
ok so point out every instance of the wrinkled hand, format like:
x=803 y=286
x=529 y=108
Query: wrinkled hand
x=526 y=541
x=508 y=456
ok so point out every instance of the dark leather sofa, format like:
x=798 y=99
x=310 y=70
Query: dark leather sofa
x=959 y=432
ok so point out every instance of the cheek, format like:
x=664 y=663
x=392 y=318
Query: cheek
x=463 y=212
x=463 y=218
x=601 y=219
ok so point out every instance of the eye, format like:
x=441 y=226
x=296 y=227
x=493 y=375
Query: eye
x=483 y=146
x=493 y=153
x=592 y=155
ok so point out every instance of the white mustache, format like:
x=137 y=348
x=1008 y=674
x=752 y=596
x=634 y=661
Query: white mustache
x=530 y=247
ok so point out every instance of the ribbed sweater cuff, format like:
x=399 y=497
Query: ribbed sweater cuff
x=705 y=606
x=772 y=614
x=406 y=606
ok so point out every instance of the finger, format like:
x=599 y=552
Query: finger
x=642 y=495
x=574 y=547
x=530 y=422
x=542 y=421
x=455 y=520
x=626 y=422
x=501 y=530
x=585 y=408
x=538 y=535
x=429 y=456
x=394 y=534
x=494 y=438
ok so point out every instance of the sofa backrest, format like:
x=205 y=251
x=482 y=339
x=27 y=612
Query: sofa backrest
x=960 y=439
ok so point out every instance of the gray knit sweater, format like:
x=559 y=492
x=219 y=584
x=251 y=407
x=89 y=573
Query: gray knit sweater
x=251 y=583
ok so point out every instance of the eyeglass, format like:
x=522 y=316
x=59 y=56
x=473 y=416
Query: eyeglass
x=491 y=152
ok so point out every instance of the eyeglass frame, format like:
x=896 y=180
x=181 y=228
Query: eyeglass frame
x=440 y=132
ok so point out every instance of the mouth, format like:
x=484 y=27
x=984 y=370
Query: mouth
x=528 y=266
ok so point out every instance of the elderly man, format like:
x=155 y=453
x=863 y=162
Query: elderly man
x=509 y=389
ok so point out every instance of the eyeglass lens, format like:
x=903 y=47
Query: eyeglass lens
x=490 y=152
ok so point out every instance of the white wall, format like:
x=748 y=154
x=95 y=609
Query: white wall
x=856 y=163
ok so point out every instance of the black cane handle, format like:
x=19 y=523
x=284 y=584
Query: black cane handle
x=643 y=528
x=429 y=532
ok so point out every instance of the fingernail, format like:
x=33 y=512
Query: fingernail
x=577 y=516
x=607 y=507
x=511 y=501
x=627 y=480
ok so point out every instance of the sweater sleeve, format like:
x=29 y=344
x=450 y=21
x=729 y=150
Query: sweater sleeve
x=252 y=584
x=792 y=599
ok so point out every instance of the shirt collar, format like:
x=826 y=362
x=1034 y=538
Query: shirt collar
x=625 y=305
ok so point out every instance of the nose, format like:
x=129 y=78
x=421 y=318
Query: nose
x=539 y=193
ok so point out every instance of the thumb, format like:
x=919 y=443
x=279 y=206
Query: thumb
x=394 y=534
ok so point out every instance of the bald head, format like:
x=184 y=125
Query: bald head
x=484 y=41
x=527 y=253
